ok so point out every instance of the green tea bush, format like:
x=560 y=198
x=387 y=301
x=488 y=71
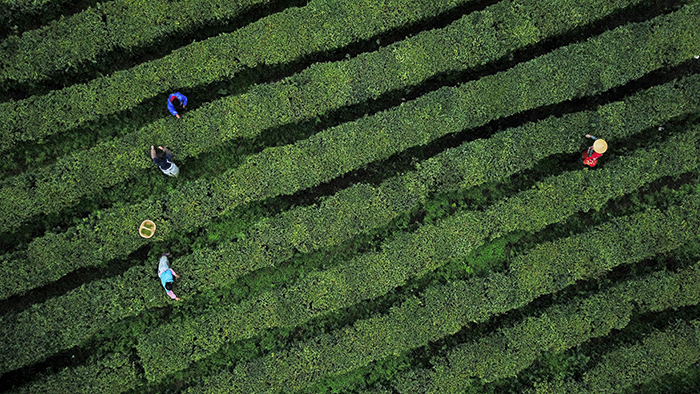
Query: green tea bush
x=122 y=25
x=658 y=354
x=374 y=274
x=431 y=316
x=507 y=351
x=331 y=153
x=315 y=91
x=112 y=374
x=341 y=216
x=322 y=25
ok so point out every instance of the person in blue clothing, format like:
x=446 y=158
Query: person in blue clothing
x=166 y=276
x=176 y=100
x=164 y=161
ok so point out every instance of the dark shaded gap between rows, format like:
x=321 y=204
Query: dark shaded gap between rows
x=67 y=358
x=422 y=358
x=373 y=173
x=150 y=110
x=122 y=60
x=289 y=133
x=666 y=74
x=684 y=381
x=71 y=281
x=16 y=22
x=119 y=59
x=366 y=309
x=640 y=326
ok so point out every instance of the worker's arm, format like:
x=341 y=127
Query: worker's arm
x=172 y=109
x=173 y=296
x=591 y=137
x=166 y=150
x=176 y=275
x=153 y=152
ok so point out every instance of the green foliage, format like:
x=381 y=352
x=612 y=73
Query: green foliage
x=116 y=25
x=507 y=351
x=323 y=25
x=308 y=95
x=276 y=239
x=431 y=316
x=361 y=378
x=14 y=12
x=333 y=152
x=373 y=274
x=263 y=317
x=659 y=353
x=683 y=381
x=562 y=364
x=110 y=375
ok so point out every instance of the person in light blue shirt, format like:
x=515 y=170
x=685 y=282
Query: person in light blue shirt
x=166 y=276
x=176 y=100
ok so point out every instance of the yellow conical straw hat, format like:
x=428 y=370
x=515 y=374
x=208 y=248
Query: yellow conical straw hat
x=600 y=146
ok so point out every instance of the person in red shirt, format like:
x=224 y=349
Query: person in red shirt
x=590 y=156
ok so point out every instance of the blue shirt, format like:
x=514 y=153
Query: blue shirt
x=165 y=162
x=166 y=277
x=180 y=97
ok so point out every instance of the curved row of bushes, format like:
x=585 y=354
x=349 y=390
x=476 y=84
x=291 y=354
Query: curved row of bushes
x=362 y=207
x=507 y=351
x=112 y=374
x=340 y=217
x=569 y=267
x=313 y=92
x=432 y=316
x=333 y=152
x=374 y=274
x=13 y=12
x=658 y=354
x=322 y=25
x=124 y=25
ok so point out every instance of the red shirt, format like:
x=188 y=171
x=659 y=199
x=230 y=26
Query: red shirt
x=590 y=159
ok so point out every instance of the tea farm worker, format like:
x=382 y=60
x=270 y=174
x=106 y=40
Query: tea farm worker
x=164 y=161
x=590 y=156
x=166 y=276
x=176 y=100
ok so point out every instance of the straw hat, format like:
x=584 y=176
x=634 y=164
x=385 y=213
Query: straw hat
x=600 y=146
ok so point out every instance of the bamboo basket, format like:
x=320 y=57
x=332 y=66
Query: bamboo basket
x=147 y=228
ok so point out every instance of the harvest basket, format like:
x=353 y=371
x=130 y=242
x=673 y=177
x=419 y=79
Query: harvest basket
x=147 y=228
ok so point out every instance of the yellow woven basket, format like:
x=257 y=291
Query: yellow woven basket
x=147 y=228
